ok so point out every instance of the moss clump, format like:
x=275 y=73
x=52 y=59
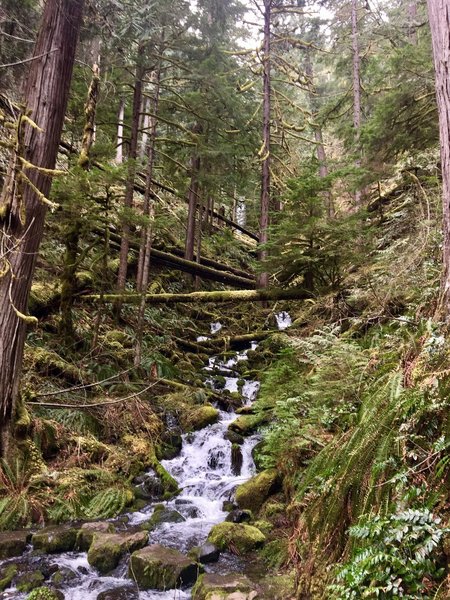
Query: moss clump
x=13 y=543
x=47 y=362
x=44 y=593
x=246 y=424
x=236 y=537
x=86 y=534
x=256 y=490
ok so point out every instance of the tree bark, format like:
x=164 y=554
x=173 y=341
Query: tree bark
x=74 y=223
x=356 y=92
x=263 y=278
x=192 y=207
x=261 y=295
x=129 y=188
x=23 y=205
x=120 y=119
x=439 y=15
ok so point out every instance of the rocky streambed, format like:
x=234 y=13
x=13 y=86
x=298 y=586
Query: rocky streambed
x=190 y=546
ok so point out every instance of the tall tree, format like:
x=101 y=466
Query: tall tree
x=24 y=199
x=439 y=15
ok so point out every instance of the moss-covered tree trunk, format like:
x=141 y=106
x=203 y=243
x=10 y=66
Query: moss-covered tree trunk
x=23 y=203
x=439 y=14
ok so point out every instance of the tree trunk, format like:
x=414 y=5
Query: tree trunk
x=74 y=223
x=356 y=92
x=320 y=148
x=23 y=203
x=149 y=212
x=439 y=15
x=129 y=188
x=261 y=295
x=263 y=278
x=120 y=119
x=192 y=209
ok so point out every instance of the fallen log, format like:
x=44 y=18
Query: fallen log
x=209 y=262
x=261 y=295
x=187 y=266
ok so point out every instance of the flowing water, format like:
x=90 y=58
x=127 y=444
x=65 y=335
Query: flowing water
x=207 y=477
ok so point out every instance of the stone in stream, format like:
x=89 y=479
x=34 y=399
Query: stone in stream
x=87 y=531
x=236 y=537
x=108 y=548
x=233 y=586
x=52 y=540
x=13 y=543
x=233 y=437
x=256 y=490
x=148 y=486
x=201 y=417
x=7 y=574
x=207 y=553
x=160 y=515
x=160 y=568
x=124 y=592
x=29 y=580
x=45 y=593
x=237 y=459
x=239 y=516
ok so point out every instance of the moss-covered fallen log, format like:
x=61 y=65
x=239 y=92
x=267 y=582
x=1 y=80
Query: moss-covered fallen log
x=167 y=259
x=262 y=295
x=215 y=264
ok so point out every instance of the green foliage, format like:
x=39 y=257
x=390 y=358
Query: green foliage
x=396 y=556
x=307 y=246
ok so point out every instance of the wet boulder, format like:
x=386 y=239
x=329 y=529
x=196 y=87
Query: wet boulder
x=160 y=568
x=233 y=437
x=148 y=486
x=13 y=543
x=207 y=553
x=246 y=424
x=233 y=586
x=236 y=537
x=53 y=540
x=108 y=548
x=162 y=514
x=256 y=490
x=125 y=592
x=237 y=459
x=87 y=531
x=29 y=580
x=239 y=516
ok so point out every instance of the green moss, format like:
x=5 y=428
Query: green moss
x=107 y=549
x=47 y=362
x=55 y=539
x=236 y=537
x=201 y=417
x=28 y=581
x=7 y=575
x=43 y=593
x=212 y=586
x=256 y=490
x=246 y=424
x=160 y=568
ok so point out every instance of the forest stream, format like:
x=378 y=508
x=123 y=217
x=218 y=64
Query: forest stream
x=208 y=469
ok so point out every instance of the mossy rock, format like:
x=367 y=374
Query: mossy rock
x=7 y=574
x=159 y=568
x=237 y=538
x=28 y=581
x=246 y=424
x=207 y=553
x=258 y=455
x=164 y=515
x=201 y=417
x=13 y=543
x=43 y=297
x=233 y=586
x=256 y=490
x=108 y=548
x=86 y=534
x=55 y=539
x=45 y=593
x=47 y=362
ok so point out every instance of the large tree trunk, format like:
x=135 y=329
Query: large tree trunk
x=263 y=278
x=23 y=203
x=439 y=14
x=356 y=92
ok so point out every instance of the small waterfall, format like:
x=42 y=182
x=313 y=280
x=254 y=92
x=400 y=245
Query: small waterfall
x=208 y=470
